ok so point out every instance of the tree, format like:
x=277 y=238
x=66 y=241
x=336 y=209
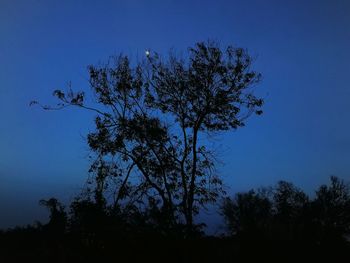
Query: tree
x=58 y=217
x=290 y=205
x=289 y=201
x=152 y=117
x=248 y=213
x=331 y=210
x=276 y=212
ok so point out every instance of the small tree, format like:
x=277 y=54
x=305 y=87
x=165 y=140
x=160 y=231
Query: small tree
x=289 y=202
x=249 y=214
x=151 y=117
x=290 y=205
x=58 y=217
x=331 y=210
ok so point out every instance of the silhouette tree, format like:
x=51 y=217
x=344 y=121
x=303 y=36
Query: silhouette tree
x=248 y=214
x=290 y=205
x=151 y=118
x=56 y=228
x=331 y=210
x=277 y=212
x=285 y=213
x=58 y=217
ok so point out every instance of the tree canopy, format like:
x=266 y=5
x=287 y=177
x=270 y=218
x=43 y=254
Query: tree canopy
x=151 y=116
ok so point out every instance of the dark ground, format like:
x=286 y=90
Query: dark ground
x=31 y=245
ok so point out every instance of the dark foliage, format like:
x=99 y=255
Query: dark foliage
x=286 y=213
x=279 y=224
x=153 y=173
x=151 y=117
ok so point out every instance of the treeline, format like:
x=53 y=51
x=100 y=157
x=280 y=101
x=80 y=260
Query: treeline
x=285 y=212
x=280 y=223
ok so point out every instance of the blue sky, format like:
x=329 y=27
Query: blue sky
x=301 y=48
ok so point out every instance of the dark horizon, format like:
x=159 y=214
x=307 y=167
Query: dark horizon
x=300 y=48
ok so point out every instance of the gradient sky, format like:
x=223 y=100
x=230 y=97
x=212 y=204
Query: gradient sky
x=301 y=48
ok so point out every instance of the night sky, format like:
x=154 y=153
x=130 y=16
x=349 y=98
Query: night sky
x=301 y=49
